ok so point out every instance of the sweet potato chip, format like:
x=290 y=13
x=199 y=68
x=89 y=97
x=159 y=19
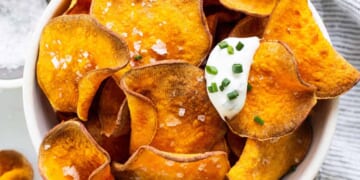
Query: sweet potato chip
x=64 y=60
x=319 y=63
x=170 y=109
x=110 y=103
x=14 y=165
x=150 y=163
x=279 y=100
x=79 y=7
x=249 y=26
x=271 y=159
x=69 y=151
x=236 y=143
x=157 y=30
x=251 y=7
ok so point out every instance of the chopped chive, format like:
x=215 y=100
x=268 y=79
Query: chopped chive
x=211 y=70
x=249 y=87
x=137 y=57
x=213 y=88
x=223 y=44
x=233 y=95
x=237 y=68
x=224 y=84
x=239 y=46
x=258 y=120
x=230 y=50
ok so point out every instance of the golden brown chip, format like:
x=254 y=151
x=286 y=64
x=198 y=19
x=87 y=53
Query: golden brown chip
x=319 y=63
x=14 y=165
x=236 y=143
x=221 y=146
x=110 y=103
x=212 y=21
x=157 y=30
x=271 y=159
x=251 y=7
x=79 y=7
x=170 y=109
x=69 y=151
x=64 y=60
x=249 y=26
x=279 y=100
x=150 y=163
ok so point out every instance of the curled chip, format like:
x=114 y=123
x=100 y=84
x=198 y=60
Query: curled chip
x=113 y=112
x=279 y=100
x=249 y=26
x=271 y=159
x=69 y=151
x=79 y=7
x=65 y=63
x=319 y=63
x=14 y=165
x=150 y=163
x=170 y=109
x=157 y=30
x=251 y=7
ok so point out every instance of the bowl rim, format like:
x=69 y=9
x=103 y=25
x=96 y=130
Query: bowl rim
x=29 y=86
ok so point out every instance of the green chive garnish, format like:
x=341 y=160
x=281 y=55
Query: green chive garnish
x=258 y=120
x=230 y=50
x=239 y=46
x=223 y=44
x=237 y=68
x=138 y=57
x=224 y=84
x=249 y=87
x=211 y=70
x=213 y=88
x=233 y=94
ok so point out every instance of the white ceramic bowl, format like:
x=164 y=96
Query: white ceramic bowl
x=40 y=117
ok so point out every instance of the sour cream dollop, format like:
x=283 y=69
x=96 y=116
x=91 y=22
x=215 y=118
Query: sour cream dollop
x=223 y=65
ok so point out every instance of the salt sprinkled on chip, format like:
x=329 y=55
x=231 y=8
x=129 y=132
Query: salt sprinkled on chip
x=182 y=112
x=159 y=47
x=71 y=171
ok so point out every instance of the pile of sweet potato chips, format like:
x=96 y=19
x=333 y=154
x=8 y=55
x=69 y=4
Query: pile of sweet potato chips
x=126 y=80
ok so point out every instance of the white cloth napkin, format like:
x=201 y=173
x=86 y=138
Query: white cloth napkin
x=342 y=19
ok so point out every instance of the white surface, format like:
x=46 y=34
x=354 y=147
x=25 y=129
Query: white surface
x=13 y=132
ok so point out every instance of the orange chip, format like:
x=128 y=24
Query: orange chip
x=79 y=7
x=65 y=62
x=69 y=151
x=221 y=146
x=150 y=163
x=319 y=63
x=157 y=30
x=273 y=158
x=255 y=8
x=14 y=165
x=170 y=109
x=236 y=143
x=279 y=100
x=249 y=26
x=110 y=104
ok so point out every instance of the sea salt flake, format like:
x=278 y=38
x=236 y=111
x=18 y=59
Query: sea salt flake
x=200 y=78
x=136 y=31
x=71 y=171
x=169 y=163
x=159 y=47
x=181 y=112
x=201 y=167
x=85 y=54
x=55 y=62
x=201 y=118
x=137 y=45
x=47 y=146
x=109 y=25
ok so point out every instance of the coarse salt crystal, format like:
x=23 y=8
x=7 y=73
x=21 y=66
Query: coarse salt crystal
x=71 y=171
x=159 y=47
x=85 y=54
x=182 y=112
x=169 y=163
x=55 y=62
x=109 y=25
x=47 y=146
x=201 y=118
x=137 y=45
x=136 y=31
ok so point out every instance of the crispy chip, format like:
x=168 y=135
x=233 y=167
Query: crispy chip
x=249 y=26
x=157 y=30
x=221 y=146
x=69 y=151
x=79 y=7
x=319 y=63
x=273 y=158
x=14 y=165
x=255 y=8
x=150 y=163
x=110 y=103
x=279 y=100
x=236 y=143
x=170 y=109
x=64 y=61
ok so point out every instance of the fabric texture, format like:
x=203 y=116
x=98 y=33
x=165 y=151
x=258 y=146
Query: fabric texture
x=342 y=20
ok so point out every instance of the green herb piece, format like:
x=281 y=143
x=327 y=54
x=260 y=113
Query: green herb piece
x=233 y=95
x=223 y=44
x=137 y=57
x=237 y=68
x=213 y=88
x=258 y=120
x=230 y=50
x=249 y=87
x=239 y=46
x=211 y=70
x=224 y=84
